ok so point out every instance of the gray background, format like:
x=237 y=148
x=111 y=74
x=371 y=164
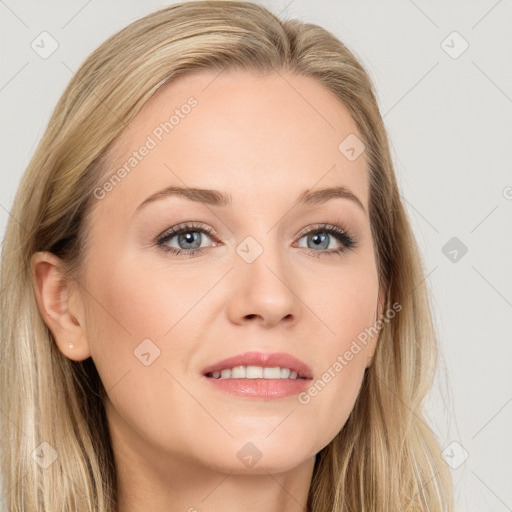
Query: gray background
x=449 y=118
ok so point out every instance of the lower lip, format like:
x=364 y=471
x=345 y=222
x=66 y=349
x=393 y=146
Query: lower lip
x=261 y=388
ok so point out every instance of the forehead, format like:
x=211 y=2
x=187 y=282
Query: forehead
x=240 y=132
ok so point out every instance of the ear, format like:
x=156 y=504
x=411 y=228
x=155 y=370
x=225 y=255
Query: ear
x=379 y=310
x=60 y=304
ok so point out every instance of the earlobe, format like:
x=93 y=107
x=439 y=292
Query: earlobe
x=60 y=305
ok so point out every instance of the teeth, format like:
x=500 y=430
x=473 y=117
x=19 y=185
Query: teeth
x=255 y=372
x=285 y=373
x=272 y=373
x=238 y=372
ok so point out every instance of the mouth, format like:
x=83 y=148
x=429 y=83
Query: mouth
x=259 y=365
x=255 y=372
x=260 y=375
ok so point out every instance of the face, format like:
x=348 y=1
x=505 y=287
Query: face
x=173 y=283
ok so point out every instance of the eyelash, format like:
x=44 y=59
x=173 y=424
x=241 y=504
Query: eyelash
x=341 y=234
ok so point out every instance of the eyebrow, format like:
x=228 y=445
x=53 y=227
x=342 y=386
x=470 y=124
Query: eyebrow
x=216 y=198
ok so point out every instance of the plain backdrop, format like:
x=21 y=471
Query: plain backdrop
x=443 y=76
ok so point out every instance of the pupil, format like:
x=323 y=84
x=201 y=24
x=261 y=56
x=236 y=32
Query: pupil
x=190 y=238
x=320 y=238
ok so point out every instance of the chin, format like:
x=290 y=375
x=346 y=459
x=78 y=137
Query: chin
x=254 y=457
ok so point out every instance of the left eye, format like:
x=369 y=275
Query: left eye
x=320 y=240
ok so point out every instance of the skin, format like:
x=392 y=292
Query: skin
x=263 y=140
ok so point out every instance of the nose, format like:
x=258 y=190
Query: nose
x=264 y=292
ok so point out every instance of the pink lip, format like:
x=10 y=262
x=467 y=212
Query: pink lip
x=262 y=389
x=274 y=359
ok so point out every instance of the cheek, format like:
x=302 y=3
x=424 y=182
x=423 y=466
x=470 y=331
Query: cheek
x=138 y=302
x=345 y=305
x=346 y=310
x=326 y=405
x=132 y=303
x=127 y=305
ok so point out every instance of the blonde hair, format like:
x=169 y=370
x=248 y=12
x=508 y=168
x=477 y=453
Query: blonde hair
x=385 y=458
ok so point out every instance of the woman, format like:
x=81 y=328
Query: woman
x=211 y=294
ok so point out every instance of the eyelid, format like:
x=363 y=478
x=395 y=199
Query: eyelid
x=184 y=227
x=321 y=226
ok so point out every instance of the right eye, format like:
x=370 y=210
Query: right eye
x=189 y=238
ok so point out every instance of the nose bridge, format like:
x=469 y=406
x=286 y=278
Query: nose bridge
x=263 y=281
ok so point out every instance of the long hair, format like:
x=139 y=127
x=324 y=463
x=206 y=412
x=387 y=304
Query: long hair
x=385 y=458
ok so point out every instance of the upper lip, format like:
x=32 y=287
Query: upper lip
x=272 y=359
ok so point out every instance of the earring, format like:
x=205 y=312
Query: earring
x=71 y=345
